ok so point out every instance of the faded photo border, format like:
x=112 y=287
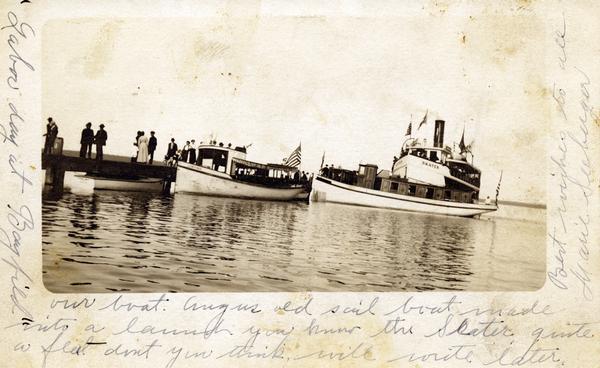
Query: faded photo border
x=556 y=325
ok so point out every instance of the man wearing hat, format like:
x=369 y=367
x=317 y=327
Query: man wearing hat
x=100 y=140
x=87 y=139
x=51 y=134
x=152 y=143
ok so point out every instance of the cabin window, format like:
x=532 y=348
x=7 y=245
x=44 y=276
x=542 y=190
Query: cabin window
x=206 y=162
x=394 y=187
x=213 y=159
x=403 y=188
x=429 y=193
x=456 y=196
x=385 y=185
x=447 y=195
x=361 y=170
x=412 y=190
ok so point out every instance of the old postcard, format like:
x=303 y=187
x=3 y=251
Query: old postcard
x=272 y=183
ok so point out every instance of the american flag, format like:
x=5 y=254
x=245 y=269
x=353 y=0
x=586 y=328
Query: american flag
x=295 y=158
x=498 y=187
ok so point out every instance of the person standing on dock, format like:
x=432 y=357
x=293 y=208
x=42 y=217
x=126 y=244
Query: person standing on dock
x=51 y=134
x=143 y=149
x=100 y=139
x=135 y=143
x=171 y=150
x=152 y=143
x=87 y=139
x=192 y=152
x=184 y=151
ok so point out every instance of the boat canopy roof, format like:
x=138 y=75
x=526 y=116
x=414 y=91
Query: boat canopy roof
x=222 y=148
x=256 y=165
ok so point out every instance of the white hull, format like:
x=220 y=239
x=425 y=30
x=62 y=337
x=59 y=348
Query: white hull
x=201 y=180
x=134 y=185
x=333 y=191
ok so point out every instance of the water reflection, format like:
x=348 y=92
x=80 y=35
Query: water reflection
x=143 y=242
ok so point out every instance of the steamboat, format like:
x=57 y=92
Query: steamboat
x=224 y=171
x=433 y=179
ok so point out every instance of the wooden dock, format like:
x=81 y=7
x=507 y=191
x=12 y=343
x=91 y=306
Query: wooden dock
x=57 y=165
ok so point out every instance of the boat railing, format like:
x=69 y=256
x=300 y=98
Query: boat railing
x=283 y=182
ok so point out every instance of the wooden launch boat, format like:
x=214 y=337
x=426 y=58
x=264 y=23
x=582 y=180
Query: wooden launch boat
x=224 y=171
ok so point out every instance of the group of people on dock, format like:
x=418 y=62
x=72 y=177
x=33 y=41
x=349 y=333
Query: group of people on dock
x=145 y=147
x=88 y=138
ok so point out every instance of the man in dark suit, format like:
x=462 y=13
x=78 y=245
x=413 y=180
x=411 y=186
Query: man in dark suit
x=152 y=143
x=51 y=134
x=87 y=139
x=172 y=149
x=100 y=139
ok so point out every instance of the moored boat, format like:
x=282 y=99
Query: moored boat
x=224 y=171
x=432 y=179
x=138 y=184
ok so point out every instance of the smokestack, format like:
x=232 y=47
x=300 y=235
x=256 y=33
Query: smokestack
x=438 y=135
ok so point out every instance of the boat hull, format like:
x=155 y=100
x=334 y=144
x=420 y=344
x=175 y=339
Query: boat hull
x=327 y=190
x=128 y=185
x=201 y=180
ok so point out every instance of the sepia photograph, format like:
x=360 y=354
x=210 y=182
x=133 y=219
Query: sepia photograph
x=286 y=154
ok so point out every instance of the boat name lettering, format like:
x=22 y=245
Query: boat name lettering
x=430 y=164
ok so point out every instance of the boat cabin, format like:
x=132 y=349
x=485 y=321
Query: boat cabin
x=232 y=161
x=219 y=157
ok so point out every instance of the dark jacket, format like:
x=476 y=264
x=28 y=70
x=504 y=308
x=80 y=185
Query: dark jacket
x=152 y=144
x=87 y=136
x=101 y=137
x=51 y=130
x=172 y=151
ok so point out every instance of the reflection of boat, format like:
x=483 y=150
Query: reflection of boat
x=137 y=184
x=424 y=179
x=224 y=171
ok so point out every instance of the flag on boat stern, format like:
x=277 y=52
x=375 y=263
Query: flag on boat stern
x=295 y=158
x=498 y=187
x=424 y=121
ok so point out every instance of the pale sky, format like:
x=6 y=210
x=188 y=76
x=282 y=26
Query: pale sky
x=343 y=85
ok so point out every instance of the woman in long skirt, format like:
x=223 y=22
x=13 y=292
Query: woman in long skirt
x=143 y=149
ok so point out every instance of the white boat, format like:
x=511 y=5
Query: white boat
x=131 y=184
x=431 y=179
x=225 y=172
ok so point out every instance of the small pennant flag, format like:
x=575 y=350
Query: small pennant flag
x=409 y=130
x=462 y=145
x=424 y=121
x=469 y=147
x=294 y=158
x=322 y=160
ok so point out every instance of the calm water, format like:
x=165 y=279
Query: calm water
x=137 y=242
